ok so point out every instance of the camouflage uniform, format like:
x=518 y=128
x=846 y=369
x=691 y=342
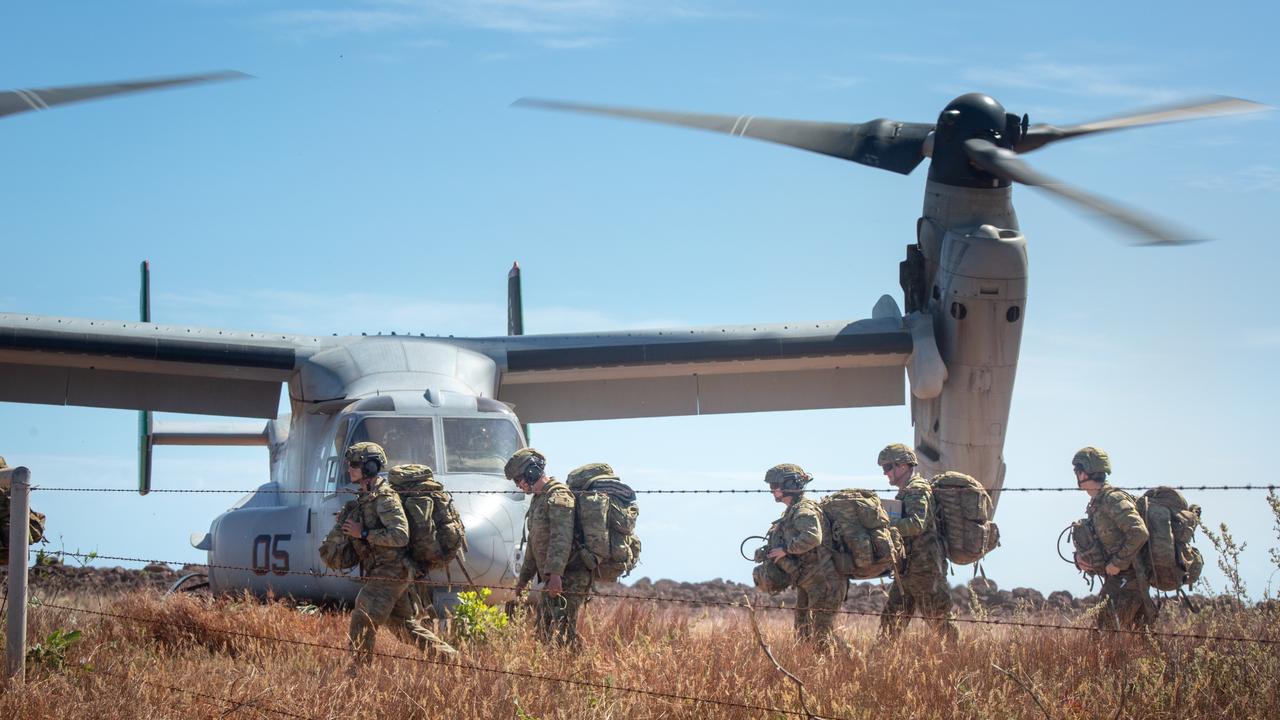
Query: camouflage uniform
x=803 y=532
x=386 y=597
x=921 y=583
x=550 y=551
x=35 y=523
x=4 y=521
x=1126 y=600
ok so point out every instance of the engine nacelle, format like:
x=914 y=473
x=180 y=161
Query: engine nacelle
x=977 y=298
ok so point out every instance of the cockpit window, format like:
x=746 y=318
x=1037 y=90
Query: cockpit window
x=405 y=439
x=479 y=445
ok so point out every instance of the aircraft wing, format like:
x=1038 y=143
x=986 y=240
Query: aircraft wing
x=694 y=371
x=144 y=366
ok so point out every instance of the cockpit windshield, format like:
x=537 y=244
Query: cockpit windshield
x=405 y=439
x=479 y=445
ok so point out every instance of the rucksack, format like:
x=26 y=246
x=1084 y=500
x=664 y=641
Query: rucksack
x=964 y=517
x=1088 y=549
x=336 y=550
x=35 y=527
x=862 y=543
x=436 y=533
x=605 y=513
x=1172 y=523
x=773 y=575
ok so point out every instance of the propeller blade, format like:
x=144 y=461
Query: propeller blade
x=1005 y=164
x=885 y=144
x=1037 y=136
x=16 y=101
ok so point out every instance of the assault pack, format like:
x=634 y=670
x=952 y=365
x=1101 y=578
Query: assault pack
x=964 y=517
x=436 y=533
x=1171 y=522
x=336 y=550
x=862 y=543
x=605 y=521
x=772 y=575
x=1089 y=552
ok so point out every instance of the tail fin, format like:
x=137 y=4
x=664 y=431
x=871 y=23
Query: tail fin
x=144 y=416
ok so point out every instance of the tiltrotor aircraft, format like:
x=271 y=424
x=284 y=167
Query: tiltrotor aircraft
x=448 y=402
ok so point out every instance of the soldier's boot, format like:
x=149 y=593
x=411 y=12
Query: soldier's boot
x=891 y=626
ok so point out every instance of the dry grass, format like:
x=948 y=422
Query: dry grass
x=154 y=669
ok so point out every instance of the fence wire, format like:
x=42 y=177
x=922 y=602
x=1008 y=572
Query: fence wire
x=444 y=663
x=729 y=604
x=654 y=491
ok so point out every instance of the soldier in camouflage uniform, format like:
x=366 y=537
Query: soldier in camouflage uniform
x=550 y=554
x=35 y=521
x=1126 y=599
x=379 y=531
x=921 y=582
x=800 y=543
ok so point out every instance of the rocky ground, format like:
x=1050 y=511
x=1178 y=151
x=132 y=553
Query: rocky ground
x=980 y=596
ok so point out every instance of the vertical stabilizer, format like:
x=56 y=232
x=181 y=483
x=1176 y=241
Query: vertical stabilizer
x=144 y=416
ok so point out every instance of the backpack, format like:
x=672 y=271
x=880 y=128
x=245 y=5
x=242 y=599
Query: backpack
x=964 y=517
x=336 y=550
x=773 y=575
x=35 y=527
x=605 y=513
x=1089 y=551
x=436 y=533
x=1171 y=522
x=862 y=543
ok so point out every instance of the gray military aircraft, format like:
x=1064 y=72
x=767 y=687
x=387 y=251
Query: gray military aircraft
x=451 y=402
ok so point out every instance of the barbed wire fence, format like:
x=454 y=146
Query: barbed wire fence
x=610 y=596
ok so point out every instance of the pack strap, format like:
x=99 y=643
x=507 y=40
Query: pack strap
x=1182 y=595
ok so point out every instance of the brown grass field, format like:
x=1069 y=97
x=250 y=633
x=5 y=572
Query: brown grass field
x=170 y=658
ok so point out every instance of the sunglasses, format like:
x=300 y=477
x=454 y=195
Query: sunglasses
x=887 y=467
x=355 y=464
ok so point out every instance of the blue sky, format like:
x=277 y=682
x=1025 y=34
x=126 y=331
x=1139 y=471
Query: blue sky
x=374 y=178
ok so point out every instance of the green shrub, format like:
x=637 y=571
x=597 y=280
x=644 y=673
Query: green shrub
x=474 y=619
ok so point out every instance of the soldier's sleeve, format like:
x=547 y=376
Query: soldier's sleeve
x=560 y=544
x=395 y=525
x=805 y=532
x=915 y=513
x=1125 y=515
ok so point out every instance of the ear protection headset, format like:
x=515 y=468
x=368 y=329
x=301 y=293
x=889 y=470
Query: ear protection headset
x=794 y=482
x=533 y=470
x=370 y=467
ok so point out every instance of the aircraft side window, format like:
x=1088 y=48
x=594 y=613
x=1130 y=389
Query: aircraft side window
x=331 y=479
x=479 y=445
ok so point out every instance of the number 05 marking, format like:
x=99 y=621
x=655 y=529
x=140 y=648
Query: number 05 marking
x=269 y=556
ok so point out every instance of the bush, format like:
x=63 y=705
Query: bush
x=474 y=618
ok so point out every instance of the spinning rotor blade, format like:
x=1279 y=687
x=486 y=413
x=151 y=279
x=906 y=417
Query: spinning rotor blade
x=16 y=101
x=880 y=143
x=1005 y=164
x=1038 y=136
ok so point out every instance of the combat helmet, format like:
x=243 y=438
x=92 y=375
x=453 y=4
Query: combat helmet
x=1092 y=460
x=522 y=463
x=370 y=455
x=897 y=453
x=788 y=476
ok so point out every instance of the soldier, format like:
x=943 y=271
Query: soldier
x=921 y=582
x=380 y=531
x=1126 y=599
x=800 y=540
x=550 y=553
x=35 y=521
